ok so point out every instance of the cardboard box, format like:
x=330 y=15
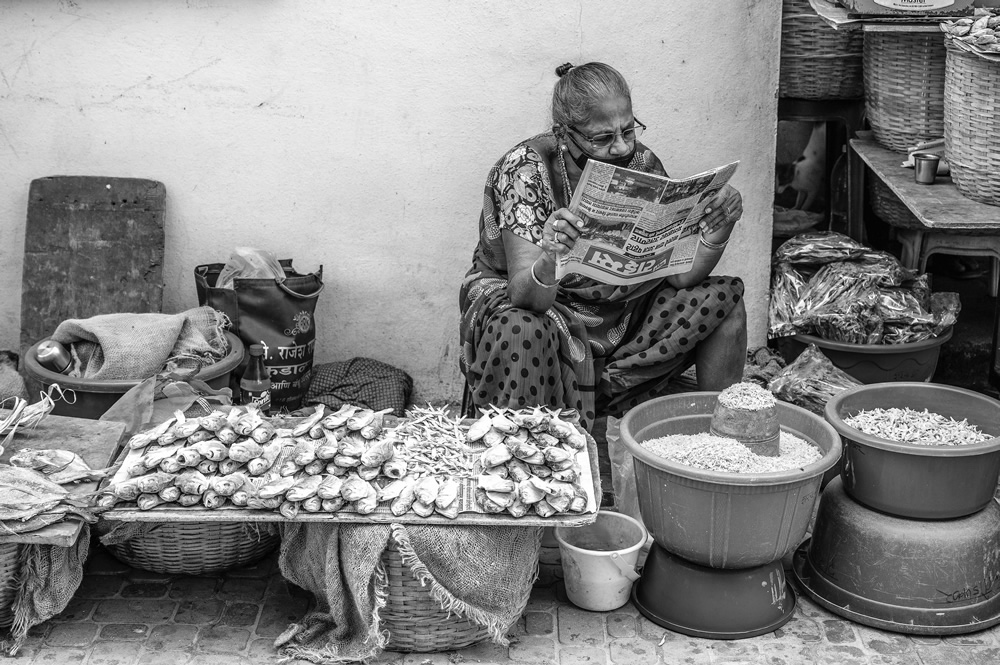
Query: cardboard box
x=857 y=8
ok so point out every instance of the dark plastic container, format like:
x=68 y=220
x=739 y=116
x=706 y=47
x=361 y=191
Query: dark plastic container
x=919 y=481
x=723 y=520
x=908 y=576
x=93 y=397
x=874 y=363
x=712 y=603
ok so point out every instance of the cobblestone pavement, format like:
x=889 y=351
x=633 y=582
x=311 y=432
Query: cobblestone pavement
x=122 y=616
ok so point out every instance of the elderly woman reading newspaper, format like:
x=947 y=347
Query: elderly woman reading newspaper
x=530 y=339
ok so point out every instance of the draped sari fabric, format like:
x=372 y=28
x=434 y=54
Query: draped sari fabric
x=599 y=347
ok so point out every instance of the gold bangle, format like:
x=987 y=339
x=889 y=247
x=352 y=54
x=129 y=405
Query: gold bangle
x=718 y=246
x=539 y=282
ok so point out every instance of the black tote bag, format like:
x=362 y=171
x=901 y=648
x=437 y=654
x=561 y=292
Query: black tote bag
x=277 y=314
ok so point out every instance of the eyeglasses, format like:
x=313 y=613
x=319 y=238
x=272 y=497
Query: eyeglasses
x=600 y=141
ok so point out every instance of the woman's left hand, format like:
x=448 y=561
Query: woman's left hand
x=721 y=214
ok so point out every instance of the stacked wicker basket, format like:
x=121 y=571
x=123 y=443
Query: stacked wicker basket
x=904 y=87
x=972 y=124
x=817 y=62
x=10 y=556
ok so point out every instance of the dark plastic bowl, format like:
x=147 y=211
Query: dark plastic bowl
x=712 y=603
x=918 y=481
x=94 y=397
x=908 y=576
x=723 y=520
x=874 y=363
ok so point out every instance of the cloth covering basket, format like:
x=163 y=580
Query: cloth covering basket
x=972 y=124
x=196 y=548
x=904 y=87
x=10 y=554
x=415 y=621
x=817 y=62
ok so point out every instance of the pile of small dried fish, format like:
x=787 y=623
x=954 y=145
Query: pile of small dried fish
x=350 y=460
x=30 y=501
x=918 y=427
x=530 y=463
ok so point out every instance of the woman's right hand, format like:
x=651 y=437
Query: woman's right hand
x=560 y=232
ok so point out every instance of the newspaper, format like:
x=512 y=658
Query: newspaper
x=638 y=226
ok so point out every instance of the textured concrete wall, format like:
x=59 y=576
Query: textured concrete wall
x=358 y=134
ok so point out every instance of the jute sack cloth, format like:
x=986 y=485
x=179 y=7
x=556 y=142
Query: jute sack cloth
x=125 y=346
x=481 y=573
x=48 y=576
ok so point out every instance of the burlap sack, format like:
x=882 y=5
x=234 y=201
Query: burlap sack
x=484 y=574
x=112 y=347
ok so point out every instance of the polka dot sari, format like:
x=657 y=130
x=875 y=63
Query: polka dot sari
x=599 y=347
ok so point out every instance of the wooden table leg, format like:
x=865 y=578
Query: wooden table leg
x=855 y=195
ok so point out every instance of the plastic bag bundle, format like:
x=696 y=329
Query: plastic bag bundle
x=787 y=286
x=249 y=263
x=811 y=381
x=835 y=285
x=819 y=247
x=853 y=318
x=884 y=269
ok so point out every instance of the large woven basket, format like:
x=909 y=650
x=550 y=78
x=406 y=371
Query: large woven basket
x=415 y=621
x=904 y=87
x=196 y=548
x=9 y=557
x=887 y=206
x=972 y=125
x=817 y=62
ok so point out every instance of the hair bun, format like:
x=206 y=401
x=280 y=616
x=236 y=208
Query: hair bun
x=563 y=69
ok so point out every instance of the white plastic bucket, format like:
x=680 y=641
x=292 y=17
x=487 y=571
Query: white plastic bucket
x=598 y=560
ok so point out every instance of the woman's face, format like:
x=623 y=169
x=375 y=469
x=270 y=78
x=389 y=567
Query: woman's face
x=611 y=115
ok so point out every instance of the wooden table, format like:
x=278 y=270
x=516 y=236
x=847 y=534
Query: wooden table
x=94 y=440
x=951 y=223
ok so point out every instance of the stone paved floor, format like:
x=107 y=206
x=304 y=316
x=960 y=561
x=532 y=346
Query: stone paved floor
x=122 y=616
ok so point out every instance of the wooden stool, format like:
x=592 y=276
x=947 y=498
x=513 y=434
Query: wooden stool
x=919 y=245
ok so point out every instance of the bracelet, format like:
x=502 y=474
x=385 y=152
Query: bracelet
x=713 y=245
x=539 y=282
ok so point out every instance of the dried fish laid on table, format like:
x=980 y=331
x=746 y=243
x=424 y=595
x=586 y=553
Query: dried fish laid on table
x=60 y=466
x=433 y=443
x=916 y=427
x=302 y=429
x=535 y=465
x=27 y=494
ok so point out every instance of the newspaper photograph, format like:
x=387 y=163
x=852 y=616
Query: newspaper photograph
x=638 y=226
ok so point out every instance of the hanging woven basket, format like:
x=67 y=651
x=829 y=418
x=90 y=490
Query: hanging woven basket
x=904 y=87
x=817 y=61
x=972 y=124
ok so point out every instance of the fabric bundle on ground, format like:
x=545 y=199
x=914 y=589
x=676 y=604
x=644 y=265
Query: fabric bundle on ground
x=483 y=574
x=128 y=346
x=360 y=382
x=48 y=576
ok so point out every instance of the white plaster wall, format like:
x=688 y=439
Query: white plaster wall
x=358 y=134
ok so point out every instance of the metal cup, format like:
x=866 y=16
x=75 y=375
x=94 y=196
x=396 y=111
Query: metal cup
x=925 y=167
x=53 y=356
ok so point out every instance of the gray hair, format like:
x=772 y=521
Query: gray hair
x=580 y=88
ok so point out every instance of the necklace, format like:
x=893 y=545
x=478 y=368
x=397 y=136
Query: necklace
x=567 y=190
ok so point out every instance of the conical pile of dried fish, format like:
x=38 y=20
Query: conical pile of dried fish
x=352 y=460
x=530 y=463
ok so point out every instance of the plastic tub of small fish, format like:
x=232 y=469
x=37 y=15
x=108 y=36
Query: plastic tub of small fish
x=750 y=513
x=918 y=450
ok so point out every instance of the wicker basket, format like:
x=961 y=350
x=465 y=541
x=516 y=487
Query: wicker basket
x=415 y=621
x=196 y=548
x=904 y=87
x=10 y=554
x=817 y=62
x=972 y=125
x=887 y=206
